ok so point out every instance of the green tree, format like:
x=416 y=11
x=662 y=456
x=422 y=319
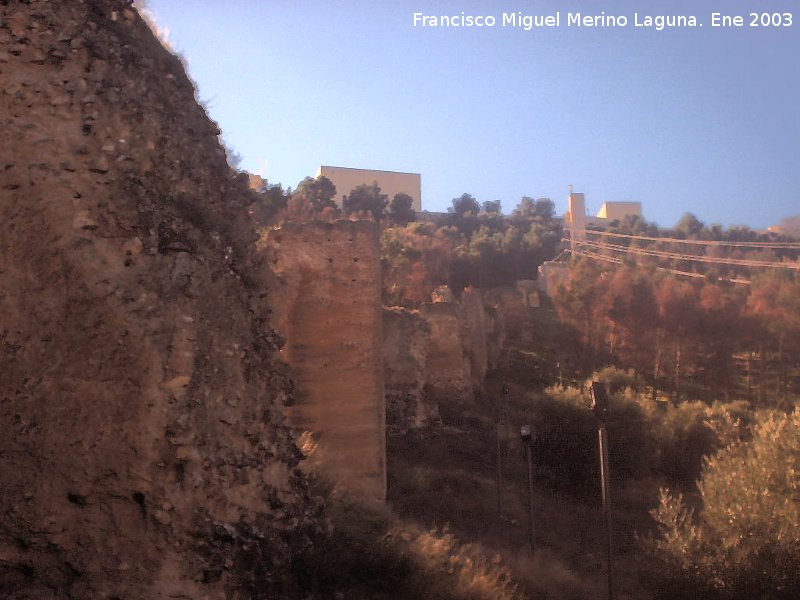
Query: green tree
x=541 y=210
x=269 y=202
x=744 y=543
x=689 y=226
x=366 y=198
x=580 y=302
x=400 y=209
x=319 y=193
x=485 y=255
x=464 y=205
x=492 y=207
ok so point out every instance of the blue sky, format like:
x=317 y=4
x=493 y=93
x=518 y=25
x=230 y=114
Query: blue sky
x=687 y=119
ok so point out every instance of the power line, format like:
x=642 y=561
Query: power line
x=692 y=257
x=688 y=257
x=774 y=245
x=596 y=256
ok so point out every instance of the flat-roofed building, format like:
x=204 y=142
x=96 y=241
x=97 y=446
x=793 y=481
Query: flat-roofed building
x=577 y=221
x=617 y=211
x=347 y=179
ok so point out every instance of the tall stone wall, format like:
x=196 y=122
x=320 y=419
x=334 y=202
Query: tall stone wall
x=330 y=312
x=142 y=448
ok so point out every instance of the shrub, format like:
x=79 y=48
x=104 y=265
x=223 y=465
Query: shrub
x=745 y=542
x=565 y=444
x=683 y=439
x=645 y=437
x=616 y=379
x=354 y=557
x=472 y=573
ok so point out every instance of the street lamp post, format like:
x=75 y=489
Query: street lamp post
x=526 y=433
x=600 y=409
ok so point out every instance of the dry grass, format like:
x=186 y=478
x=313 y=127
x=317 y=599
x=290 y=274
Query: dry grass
x=473 y=572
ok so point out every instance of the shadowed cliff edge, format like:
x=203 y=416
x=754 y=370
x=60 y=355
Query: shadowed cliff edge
x=142 y=448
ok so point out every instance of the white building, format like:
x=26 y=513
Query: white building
x=576 y=219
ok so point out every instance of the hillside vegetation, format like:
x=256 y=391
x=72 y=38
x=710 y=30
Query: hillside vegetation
x=704 y=380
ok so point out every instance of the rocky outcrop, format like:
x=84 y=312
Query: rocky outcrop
x=406 y=341
x=514 y=306
x=142 y=450
x=436 y=358
x=447 y=369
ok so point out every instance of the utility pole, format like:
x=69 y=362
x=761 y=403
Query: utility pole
x=600 y=408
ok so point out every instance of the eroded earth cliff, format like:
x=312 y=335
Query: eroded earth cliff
x=142 y=451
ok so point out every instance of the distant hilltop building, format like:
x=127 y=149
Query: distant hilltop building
x=616 y=211
x=789 y=226
x=553 y=273
x=391 y=182
x=576 y=219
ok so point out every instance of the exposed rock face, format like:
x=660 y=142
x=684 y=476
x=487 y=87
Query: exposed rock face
x=142 y=451
x=406 y=341
x=436 y=358
x=514 y=306
x=329 y=308
x=475 y=328
x=447 y=369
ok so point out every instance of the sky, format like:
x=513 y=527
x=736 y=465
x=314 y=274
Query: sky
x=686 y=119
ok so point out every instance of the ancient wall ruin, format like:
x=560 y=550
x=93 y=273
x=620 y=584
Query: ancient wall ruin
x=142 y=450
x=447 y=369
x=329 y=309
x=435 y=358
x=406 y=343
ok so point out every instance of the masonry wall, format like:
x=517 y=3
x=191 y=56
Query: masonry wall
x=329 y=310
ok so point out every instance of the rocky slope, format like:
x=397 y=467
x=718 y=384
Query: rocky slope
x=142 y=452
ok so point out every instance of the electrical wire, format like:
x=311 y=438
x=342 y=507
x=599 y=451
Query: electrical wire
x=597 y=256
x=688 y=257
x=774 y=245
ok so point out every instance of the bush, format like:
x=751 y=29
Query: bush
x=566 y=444
x=472 y=572
x=645 y=437
x=354 y=558
x=745 y=542
x=616 y=379
x=683 y=439
x=368 y=554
